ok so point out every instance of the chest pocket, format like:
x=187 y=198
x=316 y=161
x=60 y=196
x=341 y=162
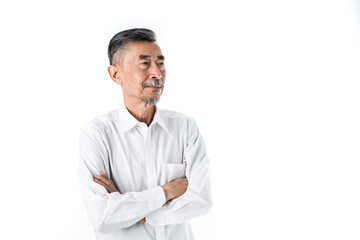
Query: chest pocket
x=171 y=171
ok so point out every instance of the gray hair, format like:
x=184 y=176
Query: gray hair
x=121 y=39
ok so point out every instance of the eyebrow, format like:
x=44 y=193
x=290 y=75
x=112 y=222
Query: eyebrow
x=160 y=57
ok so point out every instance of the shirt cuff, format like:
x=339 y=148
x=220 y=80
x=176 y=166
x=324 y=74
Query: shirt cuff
x=156 y=198
x=156 y=219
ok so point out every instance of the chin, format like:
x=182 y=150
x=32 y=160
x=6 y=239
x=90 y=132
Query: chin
x=151 y=100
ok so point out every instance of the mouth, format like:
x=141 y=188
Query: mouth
x=154 y=86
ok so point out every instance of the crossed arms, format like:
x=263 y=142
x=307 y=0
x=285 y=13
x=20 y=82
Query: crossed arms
x=109 y=210
x=172 y=189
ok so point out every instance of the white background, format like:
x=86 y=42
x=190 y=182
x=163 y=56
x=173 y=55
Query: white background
x=273 y=85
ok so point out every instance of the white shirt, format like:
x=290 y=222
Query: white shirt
x=139 y=159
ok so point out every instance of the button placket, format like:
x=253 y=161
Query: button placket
x=151 y=177
x=150 y=161
x=143 y=129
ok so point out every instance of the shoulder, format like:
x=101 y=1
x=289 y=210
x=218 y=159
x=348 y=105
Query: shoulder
x=171 y=115
x=101 y=123
x=183 y=123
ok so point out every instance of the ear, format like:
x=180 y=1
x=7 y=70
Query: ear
x=114 y=72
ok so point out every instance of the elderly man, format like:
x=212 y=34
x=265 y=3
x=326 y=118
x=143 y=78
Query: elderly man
x=144 y=171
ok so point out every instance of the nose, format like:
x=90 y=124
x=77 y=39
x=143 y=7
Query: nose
x=155 y=71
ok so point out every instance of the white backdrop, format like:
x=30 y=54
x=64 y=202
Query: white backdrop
x=273 y=85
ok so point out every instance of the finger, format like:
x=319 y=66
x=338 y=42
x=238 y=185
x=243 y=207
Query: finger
x=99 y=177
x=102 y=178
x=104 y=175
x=109 y=181
x=101 y=183
x=108 y=189
x=109 y=184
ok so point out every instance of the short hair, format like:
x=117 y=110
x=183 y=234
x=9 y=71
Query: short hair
x=121 y=39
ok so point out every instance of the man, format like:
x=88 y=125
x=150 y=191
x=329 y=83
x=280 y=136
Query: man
x=144 y=171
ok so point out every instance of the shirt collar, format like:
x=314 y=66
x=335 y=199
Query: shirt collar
x=159 y=120
x=128 y=121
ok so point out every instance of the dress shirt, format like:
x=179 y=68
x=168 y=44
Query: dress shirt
x=139 y=159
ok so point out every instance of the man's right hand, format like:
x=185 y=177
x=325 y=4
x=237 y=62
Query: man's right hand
x=175 y=188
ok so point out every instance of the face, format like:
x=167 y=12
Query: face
x=141 y=72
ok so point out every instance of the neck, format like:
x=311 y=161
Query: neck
x=141 y=111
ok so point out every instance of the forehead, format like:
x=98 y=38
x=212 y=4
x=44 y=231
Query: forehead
x=137 y=49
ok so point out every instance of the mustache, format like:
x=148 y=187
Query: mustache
x=156 y=82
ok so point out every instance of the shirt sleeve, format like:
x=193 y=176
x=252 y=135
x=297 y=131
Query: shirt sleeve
x=197 y=199
x=110 y=212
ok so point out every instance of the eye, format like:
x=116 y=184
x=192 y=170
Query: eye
x=145 y=63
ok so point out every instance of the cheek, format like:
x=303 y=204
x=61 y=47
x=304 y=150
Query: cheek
x=163 y=76
x=133 y=85
x=136 y=79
